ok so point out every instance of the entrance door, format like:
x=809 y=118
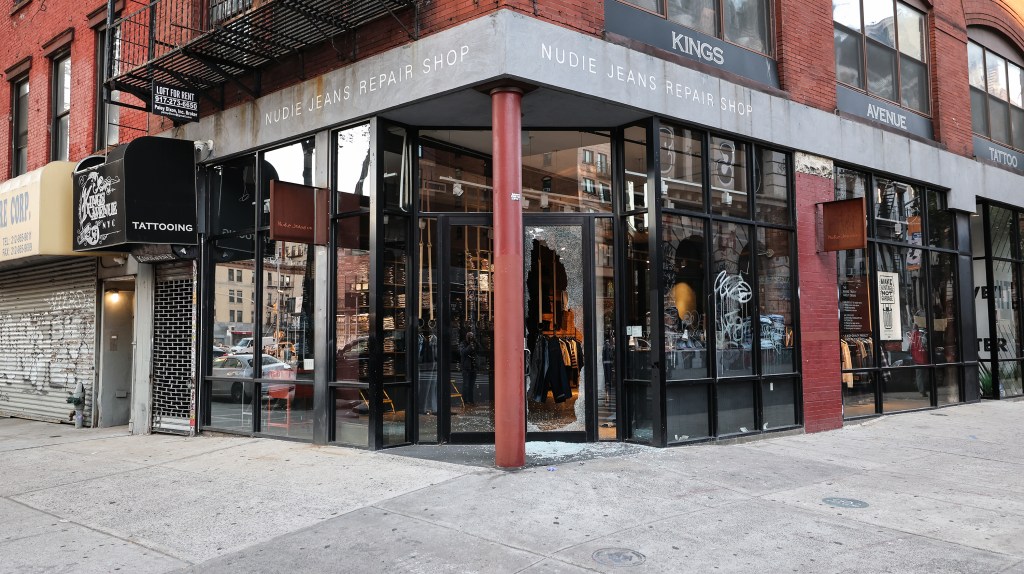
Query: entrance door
x=467 y=308
x=559 y=294
x=558 y=271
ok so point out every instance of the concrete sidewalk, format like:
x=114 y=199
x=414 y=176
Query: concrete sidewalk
x=937 y=491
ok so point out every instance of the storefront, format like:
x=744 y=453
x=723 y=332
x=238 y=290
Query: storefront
x=663 y=224
x=51 y=306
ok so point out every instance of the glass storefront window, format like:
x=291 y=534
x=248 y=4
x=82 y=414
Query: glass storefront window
x=567 y=172
x=638 y=350
x=771 y=187
x=905 y=389
x=775 y=294
x=396 y=176
x=735 y=408
x=898 y=301
x=729 y=178
x=682 y=168
x=233 y=191
x=635 y=170
x=428 y=333
x=455 y=171
x=688 y=407
x=288 y=310
x=779 y=397
x=352 y=170
x=856 y=344
x=732 y=297
x=945 y=311
x=685 y=314
x=352 y=330
x=604 y=316
x=897 y=211
x=1003 y=292
x=294 y=163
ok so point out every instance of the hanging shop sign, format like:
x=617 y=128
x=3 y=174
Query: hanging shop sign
x=629 y=22
x=992 y=152
x=298 y=213
x=890 y=324
x=144 y=193
x=175 y=103
x=844 y=224
x=864 y=106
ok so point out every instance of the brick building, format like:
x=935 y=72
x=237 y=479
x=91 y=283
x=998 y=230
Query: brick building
x=700 y=224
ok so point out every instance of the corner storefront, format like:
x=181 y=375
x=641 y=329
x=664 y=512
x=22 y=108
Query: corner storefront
x=667 y=224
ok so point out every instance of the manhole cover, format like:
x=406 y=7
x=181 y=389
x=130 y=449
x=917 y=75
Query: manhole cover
x=619 y=557
x=845 y=502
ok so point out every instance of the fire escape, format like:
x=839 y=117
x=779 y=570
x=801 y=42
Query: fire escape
x=201 y=45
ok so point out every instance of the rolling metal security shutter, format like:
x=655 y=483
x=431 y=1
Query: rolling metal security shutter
x=174 y=334
x=48 y=339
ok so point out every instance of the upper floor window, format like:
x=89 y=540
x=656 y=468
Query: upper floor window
x=60 y=116
x=19 y=129
x=746 y=23
x=997 y=94
x=107 y=112
x=881 y=47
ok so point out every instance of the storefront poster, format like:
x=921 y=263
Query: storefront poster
x=855 y=308
x=890 y=326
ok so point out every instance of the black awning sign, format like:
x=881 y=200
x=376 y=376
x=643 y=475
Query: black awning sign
x=175 y=103
x=145 y=193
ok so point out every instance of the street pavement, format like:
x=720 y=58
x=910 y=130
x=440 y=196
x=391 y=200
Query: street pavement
x=929 y=492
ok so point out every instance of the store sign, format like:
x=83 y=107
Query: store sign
x=298 y=213
x=632 y=23
x=175 y=103
x=890 y=327
x=992 y=152
x=864 y=106
x=844 y=224
x=144 y=194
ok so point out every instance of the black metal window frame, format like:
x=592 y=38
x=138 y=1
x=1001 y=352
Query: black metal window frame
x=660 y=8
x=1016 y=260
x=259 y=232
x=655 y=211
x=60 y=106
x=19 y=124
x=983 y=95
x=107 y=114
x=960 y=251
x=865 y=41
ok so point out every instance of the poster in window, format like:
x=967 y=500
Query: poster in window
x=890 y=324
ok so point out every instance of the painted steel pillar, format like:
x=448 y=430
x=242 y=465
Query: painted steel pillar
x=509 y=362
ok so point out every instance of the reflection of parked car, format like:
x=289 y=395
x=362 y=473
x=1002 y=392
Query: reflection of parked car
x=241 y=366
x=218 y=352
x=353 y=360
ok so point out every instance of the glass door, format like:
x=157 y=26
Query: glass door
x=558 y=294
x=468 y=308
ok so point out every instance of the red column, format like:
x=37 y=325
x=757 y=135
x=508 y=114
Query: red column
x=509 y=367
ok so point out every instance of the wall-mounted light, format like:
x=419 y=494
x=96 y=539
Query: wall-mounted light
x=113 y=295
x=457 y=189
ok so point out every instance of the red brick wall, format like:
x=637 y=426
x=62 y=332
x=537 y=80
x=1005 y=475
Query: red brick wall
x=951 y=98
x=819 y=316
x=804 y=50
x=24 y=32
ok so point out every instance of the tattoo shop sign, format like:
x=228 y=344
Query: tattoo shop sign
x=143 y=194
